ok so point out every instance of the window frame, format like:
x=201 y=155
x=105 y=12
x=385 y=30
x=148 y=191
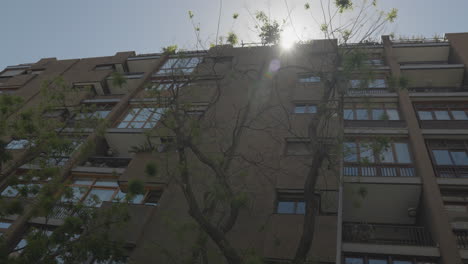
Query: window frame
x=386 y=107
x=147 y=121
x=307 y=108
x=377 y=156
x=433 y=107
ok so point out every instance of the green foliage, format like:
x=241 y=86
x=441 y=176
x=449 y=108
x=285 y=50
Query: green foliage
x=306 y=6
x=270 y=30
x=190 y=13
x=324 y=28
x=232 y=38
x=343 y=5
x=135 y=187
x=151 y=169
x=235 y=15
x=392 y=15
x=170 y=50
x=118 y=79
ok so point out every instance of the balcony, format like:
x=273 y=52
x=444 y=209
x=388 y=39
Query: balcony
x=388 y=235
x=375 y=123
x=378 y=170
x=370 y=92
x=462 y=238
x=103 y=165
x=451 y=171
x=443 y=124
x=429 y=90
x=433 y=75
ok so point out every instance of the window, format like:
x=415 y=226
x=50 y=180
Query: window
x=363 y=151
x=290 y=202
x=166 y=85
x=374 y=62
x=352 y=260
x=376 y=111
x=380 y=259
x=298 y=147
x=305 y=109
x=442 y=111
x=122 y=197
x=307 y=78
x=104 y=67
x=179 y=66
x=378 y=83
x=94 y=112
x=3 y=227
x=17 y=144
x=450 y=157
x=141 y=118
x=91 y=192
x=23 y=189
x=11 y=72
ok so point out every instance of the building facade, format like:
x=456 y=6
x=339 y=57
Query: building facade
x=392 y=134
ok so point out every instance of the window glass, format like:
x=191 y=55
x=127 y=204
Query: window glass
x=350 y=260
x=377 y=261
x=9 y=73
x=285 y=207
x=459 y=158
x=367 y=153
x=10 y=192
x=459 y=115
x=100 y=195
x=393 y=114
x=300 y=109
x=386 y=156
x=362 y=114
x=120 y=197
x=377 y=83
x=379 y=114
x=402 y=262
x=106 y=183
x=309 y=79
x=4 y=225
x=402 y=152
x=300 y=207
x=425 y=115
x=348 y=114
x=355 y=83
x=83 y=182
x=350 y=152
x=442 y=157
x=442 y=115
x=312 y=109
x=17 y=144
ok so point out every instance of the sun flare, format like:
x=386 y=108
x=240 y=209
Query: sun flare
x=288 y=39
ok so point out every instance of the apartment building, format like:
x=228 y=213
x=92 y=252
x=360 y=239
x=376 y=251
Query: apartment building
x=391 y=192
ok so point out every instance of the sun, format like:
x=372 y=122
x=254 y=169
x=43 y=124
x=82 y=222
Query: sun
x=288 y=39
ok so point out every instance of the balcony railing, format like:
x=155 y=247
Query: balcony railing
x=107 y=162
x=375 y=123
x=387 y=235
x=378 y=170
x=452 y=171
x=437 y=89
x=443 y=124
x=462 y=238
x=367 y=91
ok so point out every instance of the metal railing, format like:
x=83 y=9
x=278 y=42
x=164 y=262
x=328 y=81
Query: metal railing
x=374 y=123
x=387 y=234
x=107 y=162
x=378 y=170
x=462 y=238
x=367 y=91
x=437 y=89
x=452 y=171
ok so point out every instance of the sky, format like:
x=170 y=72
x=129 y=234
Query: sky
x=34 y=29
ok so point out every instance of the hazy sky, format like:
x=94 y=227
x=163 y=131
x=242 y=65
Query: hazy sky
x=34 y=29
